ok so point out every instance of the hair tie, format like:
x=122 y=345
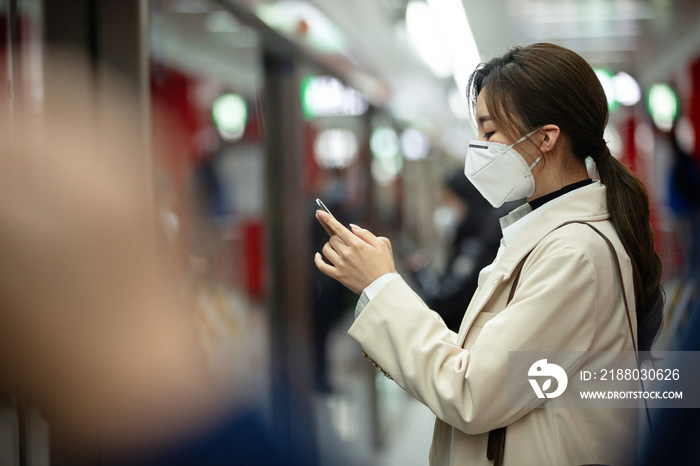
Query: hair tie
x=602 y=149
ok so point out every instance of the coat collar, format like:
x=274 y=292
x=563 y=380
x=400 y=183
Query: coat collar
x=584 y=205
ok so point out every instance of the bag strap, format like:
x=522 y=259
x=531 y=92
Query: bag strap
x=495 y=448
x=497 y=438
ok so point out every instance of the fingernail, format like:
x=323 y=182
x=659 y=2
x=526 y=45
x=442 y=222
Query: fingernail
x=320 y=213
x=353 y=226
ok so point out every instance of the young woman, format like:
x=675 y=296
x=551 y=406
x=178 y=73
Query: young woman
x=554 y=285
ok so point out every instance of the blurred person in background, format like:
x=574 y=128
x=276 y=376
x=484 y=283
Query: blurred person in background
x=95 y=330
x=674 y=440
x=468 y=226
x=684 y=200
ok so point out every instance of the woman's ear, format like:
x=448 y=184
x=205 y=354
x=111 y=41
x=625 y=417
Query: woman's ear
x=551 y=136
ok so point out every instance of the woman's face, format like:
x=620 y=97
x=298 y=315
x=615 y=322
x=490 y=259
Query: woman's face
x=489 y=131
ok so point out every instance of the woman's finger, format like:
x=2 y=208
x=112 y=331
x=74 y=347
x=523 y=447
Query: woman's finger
x=338 y=229
x=339 y=246
x=331 y=254
x=325 y=268
x=323 y=224
x=365 y=235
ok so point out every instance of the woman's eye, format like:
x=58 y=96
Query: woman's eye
x=489 y=134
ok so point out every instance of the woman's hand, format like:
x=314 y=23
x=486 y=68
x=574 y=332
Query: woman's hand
x=358 y=257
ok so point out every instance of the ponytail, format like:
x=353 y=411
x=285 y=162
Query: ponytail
x=628 y=204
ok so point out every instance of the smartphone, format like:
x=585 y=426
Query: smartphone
x=321 y=205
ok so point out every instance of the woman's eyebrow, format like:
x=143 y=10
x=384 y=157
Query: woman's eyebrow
x=483 y=118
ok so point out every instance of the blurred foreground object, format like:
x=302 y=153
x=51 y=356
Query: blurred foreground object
x=94 y=330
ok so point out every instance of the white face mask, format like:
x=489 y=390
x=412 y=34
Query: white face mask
x=446 y=219
x=499 y=172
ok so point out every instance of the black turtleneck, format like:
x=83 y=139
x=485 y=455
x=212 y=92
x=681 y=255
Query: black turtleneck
x=535 y=203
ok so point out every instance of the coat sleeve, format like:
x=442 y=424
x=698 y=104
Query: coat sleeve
x=554 y=308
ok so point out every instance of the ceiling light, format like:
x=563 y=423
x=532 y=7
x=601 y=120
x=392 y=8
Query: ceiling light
x=230 y=114
x=384 y=143
x=426 y=36
x=328 y=96
x=663 y=106
x=387 y=161
x=452 y=22
x=627 y=90
x=444 y=40
x=414 y=144
x=335 y=148
x=606 y=80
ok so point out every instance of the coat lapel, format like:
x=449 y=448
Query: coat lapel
x=585 y=205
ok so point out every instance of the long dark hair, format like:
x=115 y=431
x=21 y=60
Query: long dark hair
x=529 y=87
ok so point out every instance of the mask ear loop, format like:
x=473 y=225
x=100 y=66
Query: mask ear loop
x=529 y=169
x=521 y=140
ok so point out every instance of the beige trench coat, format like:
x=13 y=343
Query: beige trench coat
x=568 y=298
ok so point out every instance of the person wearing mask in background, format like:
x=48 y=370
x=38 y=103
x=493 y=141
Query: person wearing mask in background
x=577 y=271
x=468 y=225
